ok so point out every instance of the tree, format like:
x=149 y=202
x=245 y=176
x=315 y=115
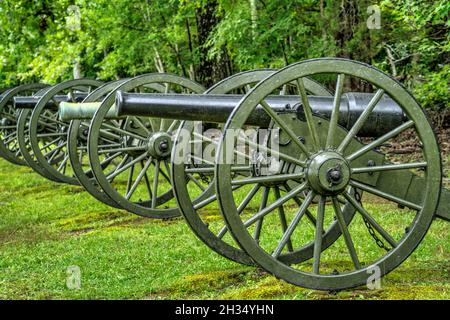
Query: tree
x=207 y=40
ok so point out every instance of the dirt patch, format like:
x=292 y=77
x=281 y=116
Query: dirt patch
x=27 y=234
x=198 y=284
x=75 y=189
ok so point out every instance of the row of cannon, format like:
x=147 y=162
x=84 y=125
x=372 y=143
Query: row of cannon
x=301 y=169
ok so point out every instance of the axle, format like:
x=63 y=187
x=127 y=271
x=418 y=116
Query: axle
x=386 y=116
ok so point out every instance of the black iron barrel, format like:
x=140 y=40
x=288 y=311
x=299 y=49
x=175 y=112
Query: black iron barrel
x=386 y=116
x=29 y=102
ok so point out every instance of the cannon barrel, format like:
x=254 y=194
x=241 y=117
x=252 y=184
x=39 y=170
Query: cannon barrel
x=386 y=116
x=70 y=111
x=29 y=102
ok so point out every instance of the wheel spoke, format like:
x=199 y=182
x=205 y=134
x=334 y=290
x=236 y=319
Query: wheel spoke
x=378 y=142
x=263 y=205
x=388 y=167
x=141 y=124
x=287 y=235
x=173 y=125
x=12 y=137
x=7 y=127
x=210 y=199
x=130 y=179
x=166 y=175
x=384 y=195
x=345 y=233
x=200 y=160
x=280 y=122
x=276 y=204
x=126 y=166
x=110 y=145
x=370 y=219
x=57 y=148
x=308 y=114
x=80 y=157
x=196 y=182
x=138 y=179
x=124 y=132
x=335 y=112
x=272 y=152
x=106 y=161
x=147 y=180
x=273 y=178
x=63 y=163
x=53 y=120
x=108 y=136
x=9 y=135
x=154 y=125
x=120 y=165
x=361 y=120
x=47 y=145
x=319 y=234
x=205 y=138
x=282 y=216
x=65 y=166
x=124 y=149
x=299 y=203
x=52 y=134
x=210 y=169
x=155 y=183
x=241 y=207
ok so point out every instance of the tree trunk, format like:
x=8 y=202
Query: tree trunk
x=348 y=22
x=351 y=26
x=77 y=72
x=158 y=62
x=209 y=71
x=254 y=15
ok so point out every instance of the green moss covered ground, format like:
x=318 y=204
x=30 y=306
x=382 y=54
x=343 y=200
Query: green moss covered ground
x=47 y=227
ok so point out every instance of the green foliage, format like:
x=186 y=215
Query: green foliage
x=124 y=38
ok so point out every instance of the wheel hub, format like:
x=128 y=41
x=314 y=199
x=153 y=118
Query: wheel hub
x=6 y=122
x=159 y=145
x=328 y=173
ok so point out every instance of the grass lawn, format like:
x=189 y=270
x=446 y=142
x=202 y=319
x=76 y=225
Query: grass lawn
x=46 y=227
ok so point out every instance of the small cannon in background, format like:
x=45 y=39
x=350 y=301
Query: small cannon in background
x=331 y=164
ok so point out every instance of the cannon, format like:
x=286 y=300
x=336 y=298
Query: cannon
x=29 y=102
x=330 y=163
x=337 y=168
x=41 y=136
x=217 y=108
x=294 y=159
x=9 y=148
x=130 y=155
x=87 y=110
x=116 y=153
